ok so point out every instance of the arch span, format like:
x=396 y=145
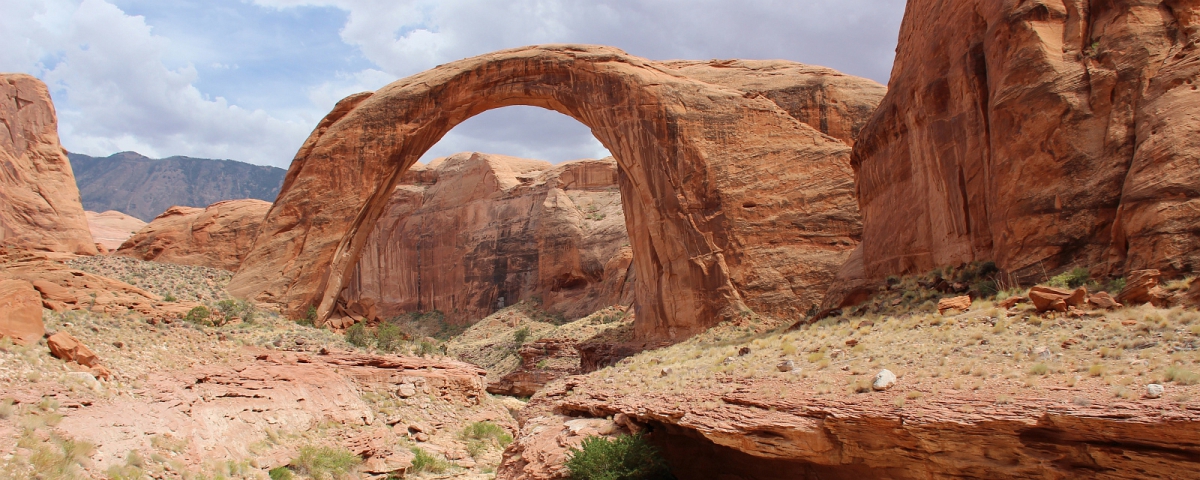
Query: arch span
x=731 y=202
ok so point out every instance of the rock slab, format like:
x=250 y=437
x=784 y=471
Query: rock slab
x=218 y=236
x=20 y=312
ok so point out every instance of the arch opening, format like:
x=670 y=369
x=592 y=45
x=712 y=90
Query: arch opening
x=692 y=145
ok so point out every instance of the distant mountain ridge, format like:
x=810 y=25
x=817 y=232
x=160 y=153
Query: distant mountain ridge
x=144 y=187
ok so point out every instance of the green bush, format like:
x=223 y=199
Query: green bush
x=280 y=473
x=480 y=435
x=627 y=457
x=425 y=462
x=237 y=308
x=310 y=317
x=388 y=337
x=358 y=335
x=1073 y=279
x=198 y=315
x=170 y=298
x=521 y=335
x=426 y=348
x=325 y=462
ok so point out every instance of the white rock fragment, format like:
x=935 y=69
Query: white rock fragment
x=1154 y=390
x=786 y=366
x=884 y=380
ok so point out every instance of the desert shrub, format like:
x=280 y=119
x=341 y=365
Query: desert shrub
x=521 y=335
x=627 y=457
x=388 y=337
x=479 y=436
x=280 y=473
x=199 y=316
x=237 y=308
x=425 y=462
x=425 y=348
x=358 y=335
x=1181 y=376
x=1073 y=279
x=325 y=462
x=310 y=317
x=169 y=298
x=1039 y=369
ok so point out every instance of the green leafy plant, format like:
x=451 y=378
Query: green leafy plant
x=479 y=436
x=1073 y=279
x=521 y=335
x=310 y=317
x=388 y=337
x=627 y=457
x=170 y=298
x=358 y=335
x=199 y=315
x=280 y=473
x=325 y=462
x=425 y=462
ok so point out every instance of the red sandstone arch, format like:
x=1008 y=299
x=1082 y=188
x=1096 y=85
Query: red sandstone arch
x=731 y=202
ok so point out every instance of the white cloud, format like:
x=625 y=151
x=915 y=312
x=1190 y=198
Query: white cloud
x=114 y=92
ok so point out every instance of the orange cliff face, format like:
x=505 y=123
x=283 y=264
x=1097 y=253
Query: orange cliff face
x=475 y=231
x=218 y=236
x=39 y=201
x=733 y=201
x=1038 y=135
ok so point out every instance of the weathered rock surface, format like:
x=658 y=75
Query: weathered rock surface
x=20 y=312
x=730 y=201
x=473 y=232
x=217 y=237
x=39 y=201
x=1038 y=135
x=767 y=429
x=542 y=361
x=110 y=229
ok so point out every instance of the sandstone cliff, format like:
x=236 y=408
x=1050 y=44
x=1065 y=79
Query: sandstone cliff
x=1038 y=135
x=218 y=236
x=39 y=202
x=732 y=202
x=474 y=232
x=110 y=229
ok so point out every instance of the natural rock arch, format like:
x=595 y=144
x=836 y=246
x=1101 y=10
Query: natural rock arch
x=731 y=202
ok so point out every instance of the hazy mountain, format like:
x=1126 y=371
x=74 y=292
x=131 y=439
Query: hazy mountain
x=144 y=187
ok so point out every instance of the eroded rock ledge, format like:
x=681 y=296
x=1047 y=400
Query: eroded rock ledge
x=752 y=432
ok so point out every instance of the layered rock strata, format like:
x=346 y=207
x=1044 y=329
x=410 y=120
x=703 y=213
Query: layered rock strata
x=112 y=228
x=219 y=236
x=731 y=202
x=39 y=201
x=474 y=232
x=20 y=312
x=1037 y=135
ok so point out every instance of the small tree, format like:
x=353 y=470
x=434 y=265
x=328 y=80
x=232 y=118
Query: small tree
x=627 y=457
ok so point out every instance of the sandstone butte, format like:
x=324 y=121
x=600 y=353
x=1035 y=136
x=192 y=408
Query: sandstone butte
x=111 y=228
x=473 y=230
x=732 y=202
x=1038 y=135
x=218 y=236
x=39 y=201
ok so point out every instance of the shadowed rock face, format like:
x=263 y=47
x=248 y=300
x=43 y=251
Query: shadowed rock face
x=1037 y=135
x=39 y=202
x=730 y=201
x=471 y=229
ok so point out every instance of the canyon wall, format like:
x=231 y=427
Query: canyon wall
x=39 y=202
x=1040 y=135
x=472 y=232
x=732 y=202
x=218 y=236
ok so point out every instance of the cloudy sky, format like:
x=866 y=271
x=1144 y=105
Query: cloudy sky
x=249 y=79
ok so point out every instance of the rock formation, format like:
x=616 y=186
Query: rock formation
x=474 y=232
x=217 y=237
x=731 y=202
x=1037 y=135
x=145 y=187
x=39 y=202
x=110 y=229
x=20 y=312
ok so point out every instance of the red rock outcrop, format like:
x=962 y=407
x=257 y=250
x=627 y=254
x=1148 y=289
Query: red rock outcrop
x=474 y=232
x=217 y=237
x=769 y=429
x=110 y=229
x=731 y=202
x=1037 y=135
x=20 y=312
x=542 y=361
x=39 y=201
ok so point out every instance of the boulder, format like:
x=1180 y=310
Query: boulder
x=1154 y=390
x=1057 y=299
x=111 y=228
x=961 y=304
x=69 y=349
x=884 y=380
x=218 y=236
x=1103 y=300
x=1035 y=135
x=731 y=200
x=39 y=201
x=20 y=312
x=1141 y=286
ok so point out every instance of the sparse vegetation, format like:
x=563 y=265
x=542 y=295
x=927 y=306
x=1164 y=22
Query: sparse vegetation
x=627 y=457
x=199 y=316
x=521 y=335
x=322 y=462
x=425 y=462
x=480 y=436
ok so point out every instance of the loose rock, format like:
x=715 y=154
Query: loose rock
x=1154 y=390
x=884 y=380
